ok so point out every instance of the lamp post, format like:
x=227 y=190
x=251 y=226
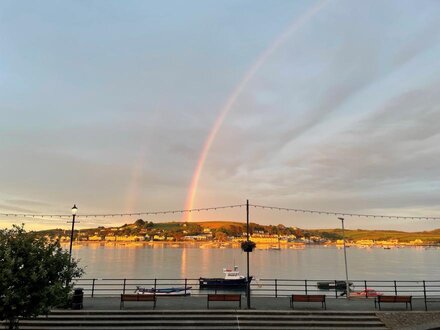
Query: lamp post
x=347 y=285
x=248 y=284
x=74 y=210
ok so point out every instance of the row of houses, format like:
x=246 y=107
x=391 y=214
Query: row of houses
x=390 y=242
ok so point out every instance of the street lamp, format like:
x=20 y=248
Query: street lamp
x=347 y=285
x=74 y=210
x=248 y=284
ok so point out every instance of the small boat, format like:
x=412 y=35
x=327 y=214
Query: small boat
x=368 y=292
x=175 y=291
x=333 y=285
x=232 y=280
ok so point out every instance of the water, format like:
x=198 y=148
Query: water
x=311 y=262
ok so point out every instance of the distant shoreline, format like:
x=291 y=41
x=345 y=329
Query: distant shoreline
x=223 y=245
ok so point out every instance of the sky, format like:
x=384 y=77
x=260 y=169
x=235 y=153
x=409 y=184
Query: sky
x=109 y=105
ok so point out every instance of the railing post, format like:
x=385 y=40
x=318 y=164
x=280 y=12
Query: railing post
x=365 y=286
x=186 y=281
x=155 y=284
x=123 y=289
x=276 y=288
x=305 y=285
x=424 y=295
x=395 y=288
x=93 y=287
x=336 y=291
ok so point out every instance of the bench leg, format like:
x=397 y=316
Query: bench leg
x=410 y=304
x=154 y=304
x=378 y=303
x=208 y=304
x=121 y=305
x=324 y=305
x=239 y=303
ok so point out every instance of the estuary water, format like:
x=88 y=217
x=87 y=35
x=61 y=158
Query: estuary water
x=311 y=262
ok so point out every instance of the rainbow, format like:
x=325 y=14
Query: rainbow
x=277 y=43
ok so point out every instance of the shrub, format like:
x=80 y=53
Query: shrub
x=35 y=275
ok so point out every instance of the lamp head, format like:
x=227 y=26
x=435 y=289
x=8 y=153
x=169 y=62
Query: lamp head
x=342 y=219
x=74 y=209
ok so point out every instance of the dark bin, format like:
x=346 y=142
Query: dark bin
x=77 y=299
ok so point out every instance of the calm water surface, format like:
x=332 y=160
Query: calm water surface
x=312 y=262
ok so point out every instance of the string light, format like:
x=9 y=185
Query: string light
x=42 y=216
x=319 y=212
x=215 y=208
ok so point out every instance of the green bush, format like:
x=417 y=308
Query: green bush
x=35 y=275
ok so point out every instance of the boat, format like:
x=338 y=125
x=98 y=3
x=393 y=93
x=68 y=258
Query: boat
x=368 y=292
x=333 y=285
x=232 y=280
x=174 y=291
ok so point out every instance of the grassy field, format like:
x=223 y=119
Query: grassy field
x=382 y=235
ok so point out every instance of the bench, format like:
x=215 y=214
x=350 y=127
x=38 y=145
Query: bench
x=393 y=299
x=137 y=297
x=308 y=298
x=225 y=297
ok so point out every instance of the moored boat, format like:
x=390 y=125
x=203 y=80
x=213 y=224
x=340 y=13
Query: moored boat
x=232 y=280
x=174 y=291
x=332 y=285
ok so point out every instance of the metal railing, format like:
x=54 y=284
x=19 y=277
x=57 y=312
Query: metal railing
x=261 y=287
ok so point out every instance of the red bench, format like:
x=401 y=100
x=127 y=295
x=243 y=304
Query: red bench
x=138 y=297
x=308 y=298
x=225 y=297
x=393 y=299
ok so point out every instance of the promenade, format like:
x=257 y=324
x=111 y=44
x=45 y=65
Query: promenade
x=191 y=313
x=393 y=316
x=257 y=303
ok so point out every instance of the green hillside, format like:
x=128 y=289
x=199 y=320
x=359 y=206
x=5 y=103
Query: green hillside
x=381 y=235
x=234 y=228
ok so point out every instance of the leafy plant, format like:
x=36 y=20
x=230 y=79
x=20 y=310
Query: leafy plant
x=35 y=275
x=248 y=246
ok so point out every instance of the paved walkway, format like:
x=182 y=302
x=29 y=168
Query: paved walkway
x=395 y=316
x=258 y=303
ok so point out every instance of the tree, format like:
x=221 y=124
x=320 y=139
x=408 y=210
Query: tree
x=221 y=236
x=298 y=233
x=139 y=223
x=35 y=275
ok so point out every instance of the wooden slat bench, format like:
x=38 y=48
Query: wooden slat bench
x=308 y=298
x=137 y=297
x=393 y=299
x=225 y=297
